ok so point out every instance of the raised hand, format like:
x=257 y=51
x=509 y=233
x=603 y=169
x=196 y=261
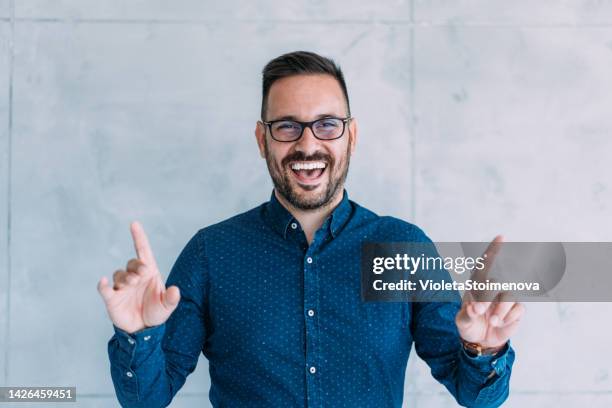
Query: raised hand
x=138 y=298
x=488 y=323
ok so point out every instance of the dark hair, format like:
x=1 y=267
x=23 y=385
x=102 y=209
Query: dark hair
x=295 y=63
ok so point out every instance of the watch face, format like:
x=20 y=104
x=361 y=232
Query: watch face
x=471 y=348
x=477 y=350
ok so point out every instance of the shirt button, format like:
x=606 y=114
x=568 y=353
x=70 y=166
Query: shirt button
x=146 y=338
x=309 y=260
x=131 y=341
x=313 y=370
x=310 y=312
x=293 y=225
x=129 y=374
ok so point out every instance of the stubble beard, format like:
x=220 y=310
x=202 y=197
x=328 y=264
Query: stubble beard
x=283 y=185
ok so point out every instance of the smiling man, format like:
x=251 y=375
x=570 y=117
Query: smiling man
x=272 y=296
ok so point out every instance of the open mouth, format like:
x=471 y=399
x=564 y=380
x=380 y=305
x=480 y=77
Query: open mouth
x=308 y=172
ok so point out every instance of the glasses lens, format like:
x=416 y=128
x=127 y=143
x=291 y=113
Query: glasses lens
x=328 y=128
x=286 y=130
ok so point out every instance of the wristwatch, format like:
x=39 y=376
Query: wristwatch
x=477 y=350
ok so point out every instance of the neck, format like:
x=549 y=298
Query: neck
x=311 y=220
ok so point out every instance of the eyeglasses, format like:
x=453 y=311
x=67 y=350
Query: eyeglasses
x=329 y=128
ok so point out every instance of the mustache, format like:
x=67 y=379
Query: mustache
x=300 y=156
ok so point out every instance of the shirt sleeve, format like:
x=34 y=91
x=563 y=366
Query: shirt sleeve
x=478 y=382
x=148 y=367
x=474 y=381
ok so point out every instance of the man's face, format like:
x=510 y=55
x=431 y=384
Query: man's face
x=306 y=98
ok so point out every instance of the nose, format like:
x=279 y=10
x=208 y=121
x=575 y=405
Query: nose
x=308 y=143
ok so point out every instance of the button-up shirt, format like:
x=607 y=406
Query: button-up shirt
x=282 y=322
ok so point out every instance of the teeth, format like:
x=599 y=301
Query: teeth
x=307 y=165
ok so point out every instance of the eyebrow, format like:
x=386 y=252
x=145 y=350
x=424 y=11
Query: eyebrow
x=294 y=118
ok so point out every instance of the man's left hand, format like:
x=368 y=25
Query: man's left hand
x=489 y=323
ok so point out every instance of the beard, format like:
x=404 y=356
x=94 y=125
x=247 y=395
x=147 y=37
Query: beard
x=336 y=175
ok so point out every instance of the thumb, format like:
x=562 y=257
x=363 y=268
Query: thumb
x=171 y=298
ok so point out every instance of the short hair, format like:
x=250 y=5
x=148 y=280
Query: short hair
x=296 y=63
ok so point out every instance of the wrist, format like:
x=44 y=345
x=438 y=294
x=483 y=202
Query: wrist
x=478 y=349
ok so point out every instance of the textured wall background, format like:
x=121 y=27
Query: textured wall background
x=476 y=117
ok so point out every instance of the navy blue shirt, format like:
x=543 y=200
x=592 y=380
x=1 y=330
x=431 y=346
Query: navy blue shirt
x=282 y=323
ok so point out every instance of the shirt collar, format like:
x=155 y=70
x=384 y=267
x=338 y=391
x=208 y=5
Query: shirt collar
x=340 y=215
x=279 y=218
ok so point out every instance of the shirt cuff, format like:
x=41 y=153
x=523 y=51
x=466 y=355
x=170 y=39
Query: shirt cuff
x=145 y=339
x=486 y=365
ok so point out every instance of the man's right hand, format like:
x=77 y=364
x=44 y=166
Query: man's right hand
x=138 y=298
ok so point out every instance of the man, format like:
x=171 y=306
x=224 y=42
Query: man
x=272 y=296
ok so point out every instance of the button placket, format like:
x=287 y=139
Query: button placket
x=310 y=305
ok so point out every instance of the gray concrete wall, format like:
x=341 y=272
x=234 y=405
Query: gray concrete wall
x=497 y=119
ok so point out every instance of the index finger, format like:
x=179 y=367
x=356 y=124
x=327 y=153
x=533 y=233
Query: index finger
x=482 y=274
x=489 y=254
x=141 y=244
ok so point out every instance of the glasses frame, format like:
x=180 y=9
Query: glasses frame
x=305 y=125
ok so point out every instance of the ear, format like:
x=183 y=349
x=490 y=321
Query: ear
x=353 y=134
x=260 y=136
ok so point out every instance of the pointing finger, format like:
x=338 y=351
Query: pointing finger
x=494 y=246
x=141 y=244
x=481 y=275
x=489 y=257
